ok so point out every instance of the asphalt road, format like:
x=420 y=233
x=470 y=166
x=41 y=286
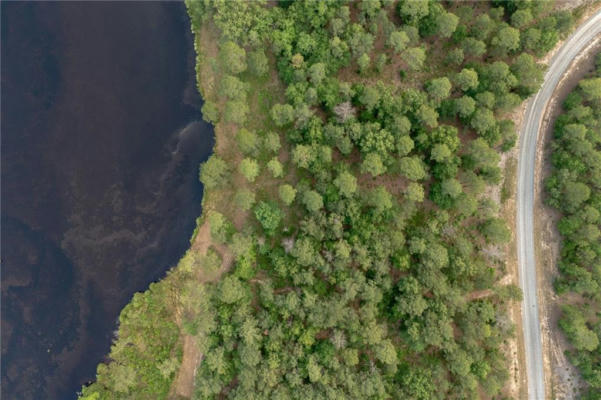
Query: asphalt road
x=525 y=200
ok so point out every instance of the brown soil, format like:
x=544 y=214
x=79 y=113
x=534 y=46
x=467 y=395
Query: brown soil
x=225 y=139
x=573 y=4
x=513 y=348
x=221 y=199
x=183 y=383
x=565 y=380
x=505 y=195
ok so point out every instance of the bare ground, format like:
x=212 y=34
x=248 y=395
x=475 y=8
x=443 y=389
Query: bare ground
x=565 y=380
x=513 y=348
x=219 y=199
x=183 y=385
x=184 y=381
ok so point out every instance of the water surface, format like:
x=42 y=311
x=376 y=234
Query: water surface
x=101 y=141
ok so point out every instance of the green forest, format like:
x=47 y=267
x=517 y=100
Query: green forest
x=350 y=205
x=574 y=188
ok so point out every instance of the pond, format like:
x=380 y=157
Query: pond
x=101 y=141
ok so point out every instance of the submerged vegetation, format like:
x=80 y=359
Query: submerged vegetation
x=358 y=147
x=574 y=188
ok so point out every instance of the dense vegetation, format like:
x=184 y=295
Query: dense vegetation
x=574 y=188
x=147 y=351
x=358 y=144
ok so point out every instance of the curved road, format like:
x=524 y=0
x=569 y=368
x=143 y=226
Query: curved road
x=525 y=200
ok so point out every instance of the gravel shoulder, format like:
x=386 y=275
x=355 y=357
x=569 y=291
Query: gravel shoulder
x=537 y=371
x=564 y=378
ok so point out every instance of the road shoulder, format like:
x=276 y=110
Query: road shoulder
x=564 y=378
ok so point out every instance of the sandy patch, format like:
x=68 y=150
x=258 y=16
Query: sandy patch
x=565 y=379
x=183 y=384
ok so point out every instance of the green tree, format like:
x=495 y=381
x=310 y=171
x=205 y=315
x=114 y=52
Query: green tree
x=370 y=97
x=528 y=73
x=287 y=193
x=417 y=384
x=428 y=116
x=446 y=24
x=486 y=99
x=414 y=57
x=304 y=253
x=591 y=89
x=521 y=18
x=413 y=10
x=531 y=40
x=236 y=112
x=440 y=152
x=249 y=168
x=210 y=112
x=575 y=194
x=404 y=145
x=269 y=215
x=466 y=79
x=386 y=352
x=232 y=88
x=275 y=167
x=372 y=164
x=282 y=114
x=346 y=183
x=480 y=156
x=214 y=172
x=303 y=156
x=233 y=57
x=258 y=63
x=412 y=168
x=398 y=40
x=465 y=106
x=317 y=73
x=314 y=370
x=495 y=231
x=483 y=120
x=231 y=290
x=473 y=47
x=124 y=377
x=312 y=200
x=241 y=244
x=415 y=192
x=220 y=226
x=439 y=88
x=506 y=40
x=572 y=322
x=483 y=26
x=363 y=62
x=380 y=199
x=497 y=77
x=381 y=61
x=247 y=141
x=339 y=48
x=451 y=187
x=271 y=142
x=455 y=56
x=210 y=262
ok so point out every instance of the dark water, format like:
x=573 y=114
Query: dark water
x=101 y=142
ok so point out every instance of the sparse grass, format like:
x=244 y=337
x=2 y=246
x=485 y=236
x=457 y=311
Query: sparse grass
x=509 y=182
